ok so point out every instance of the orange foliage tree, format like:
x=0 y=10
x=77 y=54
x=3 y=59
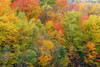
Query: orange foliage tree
x=90 y=53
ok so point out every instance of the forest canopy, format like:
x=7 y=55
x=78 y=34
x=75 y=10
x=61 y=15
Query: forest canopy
x=49 y=33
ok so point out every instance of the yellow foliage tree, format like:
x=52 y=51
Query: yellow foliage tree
x=46 y=50
x=4 y=7
x=49 y=28
x=45 y=59
x=8 y=33
x=48 y=45
x=89 y=8
x=8 y=21
x=92 y=29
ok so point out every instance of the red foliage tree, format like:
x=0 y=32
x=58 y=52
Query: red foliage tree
x=84 y=17
x=31 y=7
x=58 y=26
x=65 y=5
x=73 y=6
x=62 y=3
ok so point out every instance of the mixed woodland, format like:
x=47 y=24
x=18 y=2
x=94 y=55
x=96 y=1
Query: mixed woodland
x=49 y=33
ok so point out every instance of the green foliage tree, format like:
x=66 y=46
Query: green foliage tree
x=72 y=29
x=49 y=2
